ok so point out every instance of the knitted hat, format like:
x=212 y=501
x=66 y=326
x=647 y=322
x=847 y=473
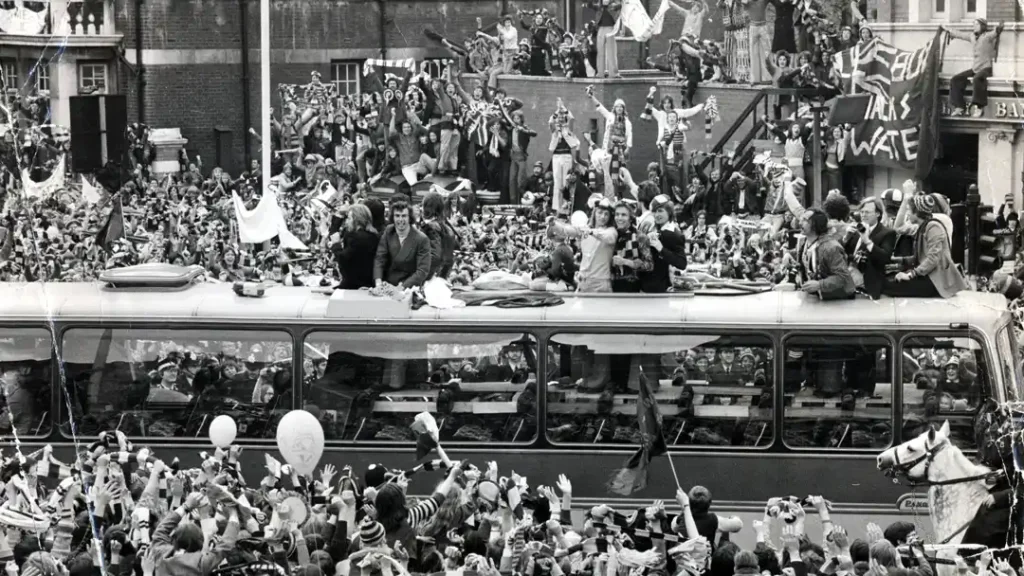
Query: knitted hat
x=1008 y=197
x=371 y=533
x=926 y=204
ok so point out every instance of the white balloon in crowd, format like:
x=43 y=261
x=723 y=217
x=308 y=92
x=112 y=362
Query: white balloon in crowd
x=300 y=439
x=223 y=431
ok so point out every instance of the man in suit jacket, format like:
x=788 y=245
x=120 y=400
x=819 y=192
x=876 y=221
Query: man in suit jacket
x=403 y=255
x=869 y=246
x=823 y=260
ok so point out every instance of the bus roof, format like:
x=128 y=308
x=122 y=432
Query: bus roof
x=217 y=303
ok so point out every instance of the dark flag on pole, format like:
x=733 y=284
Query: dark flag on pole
x=633 y=476
x=113 y=230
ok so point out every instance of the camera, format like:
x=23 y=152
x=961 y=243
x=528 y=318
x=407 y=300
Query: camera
x=861 y=227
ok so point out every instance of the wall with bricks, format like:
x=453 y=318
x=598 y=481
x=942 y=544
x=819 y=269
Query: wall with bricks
x=193 y=71
x=339 y=24
x=539 y=97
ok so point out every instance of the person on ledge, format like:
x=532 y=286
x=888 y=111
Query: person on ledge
x=985 y=46
x=607 y=27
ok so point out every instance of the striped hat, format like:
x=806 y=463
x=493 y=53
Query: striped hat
x=371 y=533
x=926 y=204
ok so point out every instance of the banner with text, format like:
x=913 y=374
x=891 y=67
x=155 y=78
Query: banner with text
x=900 y=126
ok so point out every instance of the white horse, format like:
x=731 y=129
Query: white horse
x=957 y=486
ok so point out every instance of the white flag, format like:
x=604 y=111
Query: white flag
x=47 y=187
x=634 y=17
x=326 y=194
x=89 y=192
x=264 y=222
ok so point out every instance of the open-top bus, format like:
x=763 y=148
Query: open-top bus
x=763 y=394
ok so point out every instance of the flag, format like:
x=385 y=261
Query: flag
x=633 y=476
x=325 y=194
x=898 y=127
x=931 y=110
x=427 y=434
x=55 y=182
x=113 y=229
x=264 y=222
x=90 y=193
x=634 y=18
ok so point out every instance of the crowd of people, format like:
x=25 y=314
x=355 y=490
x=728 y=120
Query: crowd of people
x=125 y=510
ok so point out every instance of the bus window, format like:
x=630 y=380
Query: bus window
x=370 y=386
x=1009 y=361
x=944 y=379
x=170 y=383
x=711 y=390
x=838 y=392
x=25 y=381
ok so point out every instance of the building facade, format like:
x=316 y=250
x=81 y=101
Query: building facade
x=989 y=149
x=192 y=74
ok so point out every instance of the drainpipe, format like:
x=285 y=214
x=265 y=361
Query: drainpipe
x=382 y=5
x=141 y=69
x=246 y=113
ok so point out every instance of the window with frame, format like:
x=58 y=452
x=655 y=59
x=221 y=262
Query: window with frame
x=838 y=392
x=171 y=383
x=10 y=72
x=347 y=77
x=938 y=6
x=711 y=390
x=25 y=380
x=481 y=387
x=944 y=379
x=41 y=72
x=92 y=78
x=972 y=7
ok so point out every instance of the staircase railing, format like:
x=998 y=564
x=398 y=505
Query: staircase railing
x=757 y=126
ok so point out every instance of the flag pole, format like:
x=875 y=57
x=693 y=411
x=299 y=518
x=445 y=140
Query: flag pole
x=673 y=467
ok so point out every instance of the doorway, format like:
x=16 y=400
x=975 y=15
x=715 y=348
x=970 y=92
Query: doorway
x=956 y=166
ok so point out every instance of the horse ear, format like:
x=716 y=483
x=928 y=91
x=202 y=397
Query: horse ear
x=945 y=429
x=931 y=433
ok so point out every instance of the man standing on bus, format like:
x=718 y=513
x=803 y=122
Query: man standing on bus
x=403 y=255
x=823 y=260
x=870 y=246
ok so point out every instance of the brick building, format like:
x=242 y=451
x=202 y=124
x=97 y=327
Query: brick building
x=191 y=53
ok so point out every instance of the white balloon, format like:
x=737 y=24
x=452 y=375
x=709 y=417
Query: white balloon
x=300 y=439
x=579 y=219
x=223 y=431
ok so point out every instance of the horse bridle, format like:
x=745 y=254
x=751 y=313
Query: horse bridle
x=900 y=471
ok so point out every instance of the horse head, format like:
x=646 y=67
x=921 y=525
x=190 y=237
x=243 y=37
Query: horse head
x=913 y=458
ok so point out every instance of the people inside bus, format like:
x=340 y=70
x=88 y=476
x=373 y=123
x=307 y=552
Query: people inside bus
x=512 y=365
x=725 y=372
x=403 y=254
x=959 y=379
x=19 y=397
x=930 y=272
x=823 y=261
x=869 y=246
